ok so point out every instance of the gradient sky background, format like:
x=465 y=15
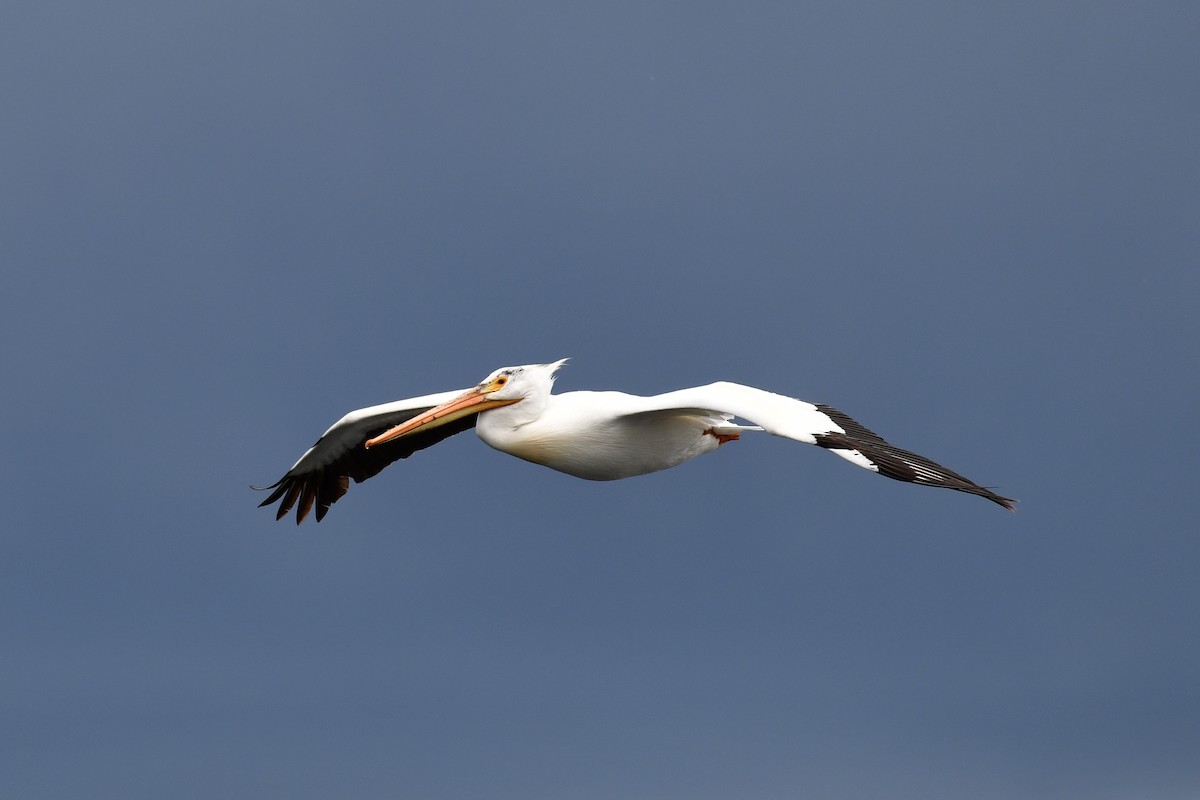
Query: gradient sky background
x=975 y=227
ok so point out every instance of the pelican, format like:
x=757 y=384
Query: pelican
x=599 y=436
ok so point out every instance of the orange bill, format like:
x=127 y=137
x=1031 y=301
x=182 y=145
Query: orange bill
x=471 y=402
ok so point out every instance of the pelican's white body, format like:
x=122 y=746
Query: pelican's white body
x=604 y=436
x=594 y=435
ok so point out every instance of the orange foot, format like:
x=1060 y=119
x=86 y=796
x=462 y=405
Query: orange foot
x=722 y=438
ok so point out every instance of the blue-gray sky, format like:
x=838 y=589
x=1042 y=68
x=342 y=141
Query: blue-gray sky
x=973 y=227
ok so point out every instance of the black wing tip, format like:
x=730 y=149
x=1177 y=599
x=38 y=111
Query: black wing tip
x=287 y=491
x=982 y=491
x=1007 y=502
x=961 y=484
x=902 y=465
x=307 y=493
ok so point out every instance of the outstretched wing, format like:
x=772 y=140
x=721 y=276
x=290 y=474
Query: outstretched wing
x=322 y=475
x=822 y=425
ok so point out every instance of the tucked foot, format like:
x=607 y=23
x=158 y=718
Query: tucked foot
x=722 y=438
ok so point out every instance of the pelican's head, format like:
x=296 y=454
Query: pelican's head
x=504 y=387
x=520 y=383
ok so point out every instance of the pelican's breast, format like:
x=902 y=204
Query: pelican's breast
x=588 y=435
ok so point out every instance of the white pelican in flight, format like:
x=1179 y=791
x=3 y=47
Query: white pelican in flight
x=600 y=436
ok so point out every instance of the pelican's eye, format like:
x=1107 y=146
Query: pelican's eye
x=501 y=380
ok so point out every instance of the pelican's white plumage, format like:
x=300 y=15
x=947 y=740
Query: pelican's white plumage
x=593 y=435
